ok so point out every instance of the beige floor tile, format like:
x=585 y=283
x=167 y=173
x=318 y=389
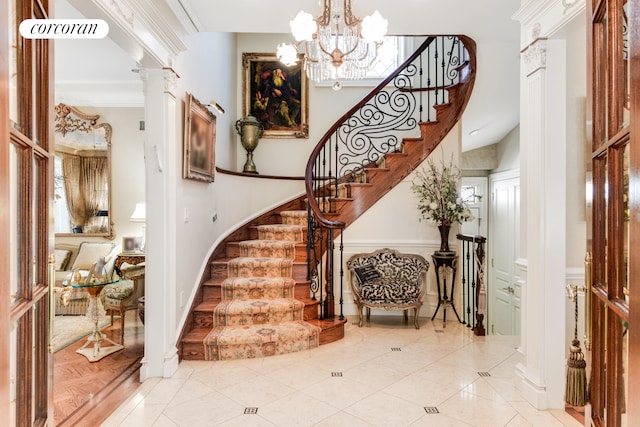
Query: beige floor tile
x=296 y=410
x=383 y=409
x=208 y=410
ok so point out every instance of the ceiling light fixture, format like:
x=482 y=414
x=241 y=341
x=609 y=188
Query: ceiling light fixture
x=336 y=45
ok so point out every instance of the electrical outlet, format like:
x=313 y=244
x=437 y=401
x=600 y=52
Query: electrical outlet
x=181 y=298
x=214 y=218
x=186 y=215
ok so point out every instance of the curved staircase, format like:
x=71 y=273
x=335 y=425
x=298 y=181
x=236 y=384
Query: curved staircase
x=267 y=291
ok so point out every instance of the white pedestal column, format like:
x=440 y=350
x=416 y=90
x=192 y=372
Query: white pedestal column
x=540 y=376
x=161 y=148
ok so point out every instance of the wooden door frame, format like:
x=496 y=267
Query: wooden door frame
x=603 y=129
x=5 y=323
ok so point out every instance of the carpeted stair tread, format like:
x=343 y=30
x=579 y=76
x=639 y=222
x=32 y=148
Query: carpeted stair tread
x=267 y=248
x=229 y=343
x=257 y=312
x=293 y=233
x=294 y=217
x=257 y=287
x=260 y=267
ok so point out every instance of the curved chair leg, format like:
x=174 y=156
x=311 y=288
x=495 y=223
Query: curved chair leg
x=416 y=313
x=360 y=316
x=406 y=315
x=368 y=313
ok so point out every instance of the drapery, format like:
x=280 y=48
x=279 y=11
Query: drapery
x=94 y=176
x=72 y=172
x=85 y=181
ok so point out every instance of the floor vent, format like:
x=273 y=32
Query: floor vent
x=336 y=374
x=396 y=349
x=250 y=410
x=431 y=410
x=484 y=374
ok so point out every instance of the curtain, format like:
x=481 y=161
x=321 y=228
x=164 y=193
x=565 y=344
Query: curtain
x=94 y=178
x=72 y=172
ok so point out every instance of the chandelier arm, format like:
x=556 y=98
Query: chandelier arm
x=349 y=19
x=325 y=19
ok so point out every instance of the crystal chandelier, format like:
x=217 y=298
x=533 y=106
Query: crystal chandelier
x=336 y=45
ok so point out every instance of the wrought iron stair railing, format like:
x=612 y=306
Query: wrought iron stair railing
x=419 y=102
x=474 y=293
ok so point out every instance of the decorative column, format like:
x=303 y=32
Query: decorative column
x=540 y=376
x=162 y=173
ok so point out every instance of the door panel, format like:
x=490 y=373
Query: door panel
x=503 y=244
x=614 y=230
x=26 y=158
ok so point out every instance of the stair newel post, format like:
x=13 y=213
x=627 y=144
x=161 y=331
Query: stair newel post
x=341 y=317
x=465 y=284
x=336 y=165
x=329 y=309
x=480 y=289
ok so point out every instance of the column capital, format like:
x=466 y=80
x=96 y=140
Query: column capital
x=534 y=56
x=170 y=80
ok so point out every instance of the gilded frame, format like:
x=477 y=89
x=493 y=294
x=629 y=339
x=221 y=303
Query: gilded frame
x=276 y=95
x=199 y=141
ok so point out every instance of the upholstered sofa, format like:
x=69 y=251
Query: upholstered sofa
x=80 y=258
x=387 y=279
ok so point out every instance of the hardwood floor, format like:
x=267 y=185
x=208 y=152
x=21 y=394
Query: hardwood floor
x=86 y=393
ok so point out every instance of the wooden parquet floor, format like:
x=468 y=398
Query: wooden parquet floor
x=86 y=393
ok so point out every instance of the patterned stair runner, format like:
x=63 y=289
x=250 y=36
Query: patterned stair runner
x=258 y=315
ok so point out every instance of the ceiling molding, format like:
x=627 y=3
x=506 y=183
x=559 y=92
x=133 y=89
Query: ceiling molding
x=187 y=16
x=149 y=31
x=100 y=93
x=542 y=19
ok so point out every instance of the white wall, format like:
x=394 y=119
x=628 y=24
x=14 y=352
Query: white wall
x=394 y=222
x=508 y=151
x=577 y=147
x=289 y=156
x=127 y=170
x=207 y=70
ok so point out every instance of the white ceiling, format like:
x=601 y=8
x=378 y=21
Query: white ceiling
x=494 y=105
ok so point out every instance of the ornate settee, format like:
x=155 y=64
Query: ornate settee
x=387 y=279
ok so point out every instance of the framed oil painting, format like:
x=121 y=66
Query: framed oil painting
x=199 y=141
x=276 y=95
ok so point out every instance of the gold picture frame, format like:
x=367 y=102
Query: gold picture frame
x=199 y=141
x=276 y=95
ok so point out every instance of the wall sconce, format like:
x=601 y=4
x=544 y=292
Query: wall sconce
x=215 y=105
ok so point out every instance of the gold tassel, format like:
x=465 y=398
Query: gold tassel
x=576 y=391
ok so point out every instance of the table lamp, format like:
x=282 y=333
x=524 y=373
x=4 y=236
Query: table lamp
x=140 y=215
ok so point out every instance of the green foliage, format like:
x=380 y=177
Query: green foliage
x=438 y=197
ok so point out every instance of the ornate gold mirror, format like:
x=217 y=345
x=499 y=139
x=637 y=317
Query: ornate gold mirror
x=82 y=199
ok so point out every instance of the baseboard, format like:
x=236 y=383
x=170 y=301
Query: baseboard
x=532 y=389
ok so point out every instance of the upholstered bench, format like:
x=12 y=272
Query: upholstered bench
x=387 y=279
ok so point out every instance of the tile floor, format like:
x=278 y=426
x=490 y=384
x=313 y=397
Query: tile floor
x=384 y=374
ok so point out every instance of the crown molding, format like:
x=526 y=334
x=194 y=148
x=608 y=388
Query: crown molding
x=149 y=31
x=541 y=19
x=100 y=93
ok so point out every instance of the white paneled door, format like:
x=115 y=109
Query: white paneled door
x=503 y=286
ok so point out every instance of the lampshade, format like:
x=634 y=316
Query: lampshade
x=139 y=214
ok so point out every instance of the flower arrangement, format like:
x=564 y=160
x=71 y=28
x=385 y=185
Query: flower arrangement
x=438 y=197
